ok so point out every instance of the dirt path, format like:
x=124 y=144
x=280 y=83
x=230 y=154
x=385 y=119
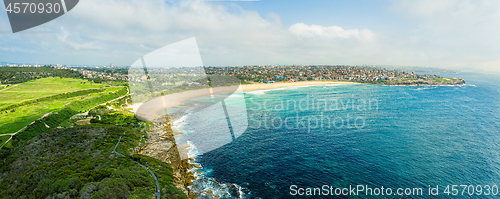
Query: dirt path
x=20 y=130
x=157 y=193
x=9 y=87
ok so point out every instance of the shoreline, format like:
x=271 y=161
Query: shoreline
x=162 y=146
x=188 y=173
x=154 y=106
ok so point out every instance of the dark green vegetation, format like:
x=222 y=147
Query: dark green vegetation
x=121 y=71
x=15 y=75
x=52 y=157
x=3 y=139
x=78 y=162
x=111 y=82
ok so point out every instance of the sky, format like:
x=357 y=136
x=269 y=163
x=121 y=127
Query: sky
x=451 y=34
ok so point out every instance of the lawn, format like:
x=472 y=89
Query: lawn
x=442 y=80
x=11 y=122
x=43 y=88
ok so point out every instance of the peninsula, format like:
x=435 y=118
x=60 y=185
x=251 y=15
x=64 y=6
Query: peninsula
x=360 y=74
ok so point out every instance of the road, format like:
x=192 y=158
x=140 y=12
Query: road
x=151 y=172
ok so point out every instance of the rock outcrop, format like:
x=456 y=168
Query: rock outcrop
x=417 y=82
x=161 y=145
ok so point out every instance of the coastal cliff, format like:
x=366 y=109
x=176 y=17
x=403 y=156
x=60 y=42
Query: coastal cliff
x=161 y=145
x=417 y=82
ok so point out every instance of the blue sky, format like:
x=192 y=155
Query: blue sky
x=348 y=14
x=457 y=34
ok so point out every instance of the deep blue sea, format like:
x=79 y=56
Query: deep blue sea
x=348 y=135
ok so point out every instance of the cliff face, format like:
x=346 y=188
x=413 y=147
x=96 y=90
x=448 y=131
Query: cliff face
x=161 y=145
x=416 y=82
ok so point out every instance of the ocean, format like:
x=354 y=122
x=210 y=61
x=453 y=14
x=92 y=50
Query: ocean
x=411 y=140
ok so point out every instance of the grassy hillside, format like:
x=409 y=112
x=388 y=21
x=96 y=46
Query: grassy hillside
x=57 y=157
x=43 y=88
x=78 y=162
x=13 y=120
x=31 y=100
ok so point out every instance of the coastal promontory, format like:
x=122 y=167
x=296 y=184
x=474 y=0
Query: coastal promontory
x=417 y=82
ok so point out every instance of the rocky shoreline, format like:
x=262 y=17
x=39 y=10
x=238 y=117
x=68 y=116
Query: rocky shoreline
x=418 y=82
x=161 y=145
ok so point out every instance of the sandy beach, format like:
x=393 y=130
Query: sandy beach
x=150 y=109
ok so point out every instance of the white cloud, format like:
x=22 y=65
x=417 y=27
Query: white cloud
x=463 y=32
x=426 y=8
x=443 y=34
x=76 y=46
x=451 y=15
x=121 y=31
x=331 y=32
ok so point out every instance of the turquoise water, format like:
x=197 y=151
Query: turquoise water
x=370 y=135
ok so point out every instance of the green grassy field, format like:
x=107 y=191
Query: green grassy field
x=12 y=120
x=442 y=80
x=43 y=88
